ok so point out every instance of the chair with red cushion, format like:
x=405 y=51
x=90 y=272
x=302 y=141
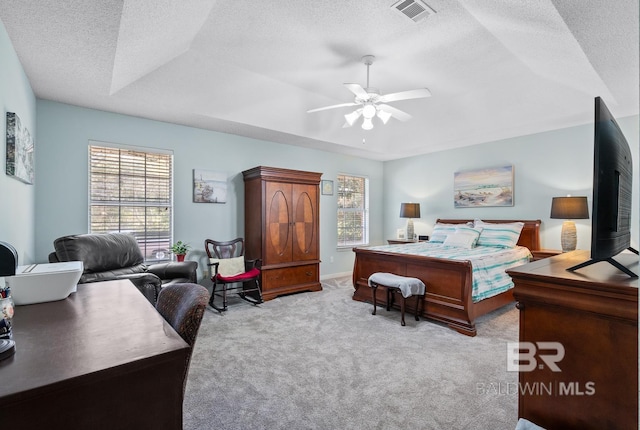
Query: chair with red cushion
x=229 y=267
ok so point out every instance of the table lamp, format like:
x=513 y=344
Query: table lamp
x=569 y=208
x=410 y=210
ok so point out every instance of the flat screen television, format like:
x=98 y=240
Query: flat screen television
x=612 y=185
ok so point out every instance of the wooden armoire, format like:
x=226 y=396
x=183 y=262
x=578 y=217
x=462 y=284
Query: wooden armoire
x=281 y=227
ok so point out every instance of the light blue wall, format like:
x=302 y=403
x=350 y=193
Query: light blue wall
x=18 y=199
x=546 y=165
x=62 y=195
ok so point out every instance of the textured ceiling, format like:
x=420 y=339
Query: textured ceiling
x=496 y=68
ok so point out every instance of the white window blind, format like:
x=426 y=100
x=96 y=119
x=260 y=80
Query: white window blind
x=353 y=210
x=130 y=191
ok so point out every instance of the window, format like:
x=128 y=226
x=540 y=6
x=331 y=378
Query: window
x=130 y=191
x=353 y=210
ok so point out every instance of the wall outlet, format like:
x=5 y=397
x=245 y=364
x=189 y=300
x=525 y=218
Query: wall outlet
x=331 y=259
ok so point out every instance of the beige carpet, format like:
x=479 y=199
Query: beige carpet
x=321 y=361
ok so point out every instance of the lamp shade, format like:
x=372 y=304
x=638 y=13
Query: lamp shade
x=409 y=210
x=569 y=208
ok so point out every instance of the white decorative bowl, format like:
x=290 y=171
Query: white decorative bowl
x=37 y=283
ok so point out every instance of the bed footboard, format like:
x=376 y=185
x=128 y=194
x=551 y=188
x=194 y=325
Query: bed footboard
x=448 y=296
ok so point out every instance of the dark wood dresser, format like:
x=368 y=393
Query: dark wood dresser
x=593 y=314
x=282 y=227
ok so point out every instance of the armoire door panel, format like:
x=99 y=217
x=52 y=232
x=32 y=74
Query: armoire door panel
x=278 y=236
x=304 y=223
x=305 y=243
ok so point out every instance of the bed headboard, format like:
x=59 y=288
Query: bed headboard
x=529 y=237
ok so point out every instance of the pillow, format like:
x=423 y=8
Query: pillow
x=501 y=235
x=441 y=230
x=464 y=236
x=460 y=240
x=229 y=266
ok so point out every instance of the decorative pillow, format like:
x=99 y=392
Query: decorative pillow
x=229 y=266
x=473 y=231
x=460 y=240
x=441 y=231
x=464 y=236
x=501 y=235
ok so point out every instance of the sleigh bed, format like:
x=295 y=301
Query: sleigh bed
x=449 y=297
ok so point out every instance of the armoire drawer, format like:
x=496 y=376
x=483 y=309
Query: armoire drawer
x=288 y=276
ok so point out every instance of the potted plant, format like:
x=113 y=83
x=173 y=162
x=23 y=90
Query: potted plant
x=180 y=248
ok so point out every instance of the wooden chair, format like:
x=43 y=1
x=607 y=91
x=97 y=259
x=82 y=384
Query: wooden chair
x=182 y=306
x=230 y=267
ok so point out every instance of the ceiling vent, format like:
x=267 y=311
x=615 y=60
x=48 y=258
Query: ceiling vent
x=413 y=9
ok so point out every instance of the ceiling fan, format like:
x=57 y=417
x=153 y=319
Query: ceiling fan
x=373 y=104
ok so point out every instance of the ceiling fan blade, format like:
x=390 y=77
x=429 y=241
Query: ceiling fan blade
x=396 y=113
x=405 y=95
x=333 y=107
x=358 y=91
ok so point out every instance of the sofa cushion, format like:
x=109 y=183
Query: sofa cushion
x=109 y=275
x=99 y=252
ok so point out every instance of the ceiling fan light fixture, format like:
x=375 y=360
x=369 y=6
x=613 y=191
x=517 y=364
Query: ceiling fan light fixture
x=372 y=103
x=369 y=111
x=384 y=116
x=352 y=117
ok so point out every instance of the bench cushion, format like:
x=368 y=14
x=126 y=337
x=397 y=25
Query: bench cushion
x=407 y=286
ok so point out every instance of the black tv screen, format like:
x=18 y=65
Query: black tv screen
x=612 y=186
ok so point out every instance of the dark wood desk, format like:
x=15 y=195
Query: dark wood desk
x=101 y=359
x=593 y=313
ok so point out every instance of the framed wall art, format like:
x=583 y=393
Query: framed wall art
x=19 y=150
x=209 y=186
x=326 y=187
x=491 y=186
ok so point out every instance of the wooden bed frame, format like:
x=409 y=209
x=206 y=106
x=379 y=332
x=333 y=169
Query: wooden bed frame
x=448 y=297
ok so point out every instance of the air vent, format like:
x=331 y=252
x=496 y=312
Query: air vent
x=415 y=10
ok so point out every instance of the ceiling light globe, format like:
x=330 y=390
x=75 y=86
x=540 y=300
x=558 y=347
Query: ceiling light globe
x=367 y=124
x=351 y=117
x=384 y=116
x=368 y=111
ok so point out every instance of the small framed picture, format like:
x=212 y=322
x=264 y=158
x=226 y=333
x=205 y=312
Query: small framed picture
x=326 y=187
x=400 y=233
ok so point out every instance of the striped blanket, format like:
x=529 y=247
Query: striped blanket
x=489 y=263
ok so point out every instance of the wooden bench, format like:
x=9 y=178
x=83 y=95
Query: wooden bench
x=406 y=286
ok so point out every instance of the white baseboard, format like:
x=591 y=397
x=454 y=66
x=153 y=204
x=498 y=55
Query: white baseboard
x=335 y=275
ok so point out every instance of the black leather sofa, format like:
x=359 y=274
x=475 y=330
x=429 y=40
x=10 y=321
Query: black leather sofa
x=112 y=256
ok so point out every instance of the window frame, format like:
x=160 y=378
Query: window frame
x=145 y=242
x=341 y=243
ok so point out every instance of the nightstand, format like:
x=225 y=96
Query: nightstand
x=545 y=253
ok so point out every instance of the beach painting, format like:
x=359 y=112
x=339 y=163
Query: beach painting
x=491 y=186
x=209 y=186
